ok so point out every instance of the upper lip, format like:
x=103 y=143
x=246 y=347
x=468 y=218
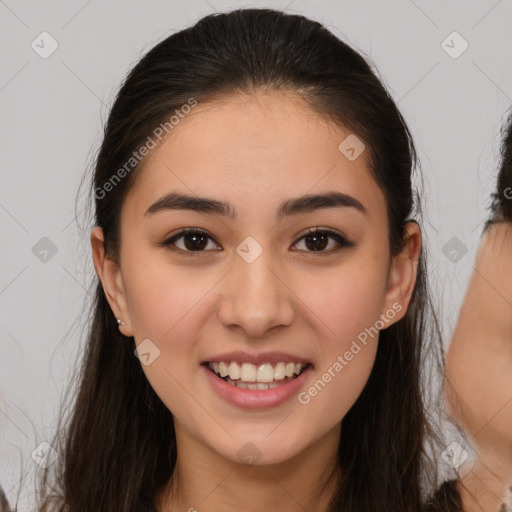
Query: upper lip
x=256 y=359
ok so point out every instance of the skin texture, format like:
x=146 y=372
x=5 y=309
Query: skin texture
x=478 y=380
x=255 y=151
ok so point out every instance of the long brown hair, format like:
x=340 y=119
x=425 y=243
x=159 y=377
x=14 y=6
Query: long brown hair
x=116 y=439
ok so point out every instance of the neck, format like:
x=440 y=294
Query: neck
x=203 y=480
x=483 y=488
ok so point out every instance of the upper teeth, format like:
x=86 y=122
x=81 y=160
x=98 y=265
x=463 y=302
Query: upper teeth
x=248 y=372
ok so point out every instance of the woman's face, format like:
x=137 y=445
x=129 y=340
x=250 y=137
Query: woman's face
x=254 y=283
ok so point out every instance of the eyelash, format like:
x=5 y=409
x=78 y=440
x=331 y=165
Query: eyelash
x=340 y=240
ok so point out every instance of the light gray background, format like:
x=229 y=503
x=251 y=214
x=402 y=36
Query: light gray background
x=52 y=112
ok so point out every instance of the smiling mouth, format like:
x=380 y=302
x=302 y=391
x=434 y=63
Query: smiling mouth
x=249 y=376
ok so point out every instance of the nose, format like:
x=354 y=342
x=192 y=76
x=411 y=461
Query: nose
x=256 y=297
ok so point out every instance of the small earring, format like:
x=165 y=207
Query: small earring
x=120 y=322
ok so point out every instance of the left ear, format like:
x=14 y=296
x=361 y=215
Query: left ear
x=402 y=272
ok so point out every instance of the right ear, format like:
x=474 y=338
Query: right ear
x=111 y=279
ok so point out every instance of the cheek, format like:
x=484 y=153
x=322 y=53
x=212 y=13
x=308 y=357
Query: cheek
x=347 y=299
x=339 y=383
x=161 y=296
x=164 y=304
x=348 y=304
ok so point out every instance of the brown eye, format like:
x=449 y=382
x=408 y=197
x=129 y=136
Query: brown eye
x=193 y=241
x=318 y=239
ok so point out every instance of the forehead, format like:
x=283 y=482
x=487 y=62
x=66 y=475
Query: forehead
x=257 y=148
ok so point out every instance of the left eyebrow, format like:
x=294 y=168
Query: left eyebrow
x=294 y=206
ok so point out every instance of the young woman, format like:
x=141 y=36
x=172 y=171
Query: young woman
x=479 y=360
x=262 y=333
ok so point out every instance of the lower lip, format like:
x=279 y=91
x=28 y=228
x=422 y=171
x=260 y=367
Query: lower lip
x=256 y=398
